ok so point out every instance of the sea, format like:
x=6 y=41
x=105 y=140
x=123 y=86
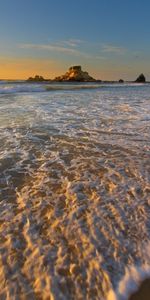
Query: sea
x=74 y=190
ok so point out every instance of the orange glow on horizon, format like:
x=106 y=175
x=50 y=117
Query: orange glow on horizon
x=24 y=68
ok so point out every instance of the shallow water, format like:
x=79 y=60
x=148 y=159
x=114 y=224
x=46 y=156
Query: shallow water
x=74 y=190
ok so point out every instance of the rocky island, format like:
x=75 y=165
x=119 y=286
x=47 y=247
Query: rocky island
x=141 y=79
x=75 y=73
x=37 y=78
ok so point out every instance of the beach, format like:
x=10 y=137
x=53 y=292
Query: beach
x=74 y=191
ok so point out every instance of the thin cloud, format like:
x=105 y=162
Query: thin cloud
x=50 y=47
x=108 y=48
x=73 y=47
x=56 y=48
x=71 y=43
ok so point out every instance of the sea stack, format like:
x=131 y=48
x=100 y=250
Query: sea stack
x=75 y=73
x=141 y=79
x=37 y=78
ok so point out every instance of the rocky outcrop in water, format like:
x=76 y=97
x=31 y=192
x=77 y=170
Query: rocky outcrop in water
x=37 y=78
x=75 y=73
x=141 y=79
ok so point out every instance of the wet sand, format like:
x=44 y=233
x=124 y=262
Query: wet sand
x=143 y=292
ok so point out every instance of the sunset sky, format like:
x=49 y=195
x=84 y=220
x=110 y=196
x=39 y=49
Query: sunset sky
x=110 y=39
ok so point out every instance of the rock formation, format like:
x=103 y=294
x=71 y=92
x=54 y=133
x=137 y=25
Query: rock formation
x=141 y=79
x=121 y=81
x=75 y=73
x=36 y=78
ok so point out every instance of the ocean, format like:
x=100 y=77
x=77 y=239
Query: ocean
x=74 y=190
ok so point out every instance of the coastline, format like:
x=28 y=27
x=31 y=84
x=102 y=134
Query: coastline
x=52 y=81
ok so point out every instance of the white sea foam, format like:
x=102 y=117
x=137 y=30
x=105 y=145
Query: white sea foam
x=74 y=180
x=20 y=88
x=133 y=277
x=8 y=87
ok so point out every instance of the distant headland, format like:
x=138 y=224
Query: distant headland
x=75 y=74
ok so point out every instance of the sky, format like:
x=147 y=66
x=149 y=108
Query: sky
x=108 y=38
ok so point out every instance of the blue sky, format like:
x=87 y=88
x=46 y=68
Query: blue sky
x=110 y=39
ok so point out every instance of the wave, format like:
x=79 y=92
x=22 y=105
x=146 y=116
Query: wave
x=7 y=87
x=20 y=88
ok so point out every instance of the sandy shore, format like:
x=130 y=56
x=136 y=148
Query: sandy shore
x=143 y=292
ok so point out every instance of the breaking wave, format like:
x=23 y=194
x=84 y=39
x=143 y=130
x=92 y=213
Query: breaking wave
x=20 y=88
x=8 y=87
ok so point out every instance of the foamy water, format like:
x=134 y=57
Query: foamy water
x=74 y=190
